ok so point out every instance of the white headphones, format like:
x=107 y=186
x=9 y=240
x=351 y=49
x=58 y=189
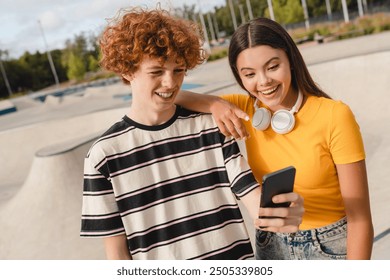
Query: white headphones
x=282 y=121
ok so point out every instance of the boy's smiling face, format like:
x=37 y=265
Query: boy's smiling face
x=155 y=86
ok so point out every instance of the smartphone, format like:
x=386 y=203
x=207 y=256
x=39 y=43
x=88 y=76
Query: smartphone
x=278 y=182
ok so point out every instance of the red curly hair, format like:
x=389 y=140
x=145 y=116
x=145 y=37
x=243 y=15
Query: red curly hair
x=138 y=33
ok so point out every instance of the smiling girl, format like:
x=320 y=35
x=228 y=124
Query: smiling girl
x=295 y=123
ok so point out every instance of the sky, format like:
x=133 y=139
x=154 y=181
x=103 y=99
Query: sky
x=21 y=20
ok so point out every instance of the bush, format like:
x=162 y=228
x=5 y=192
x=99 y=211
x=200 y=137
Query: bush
x=220 y=53
x=381 y=22
x=367 y=24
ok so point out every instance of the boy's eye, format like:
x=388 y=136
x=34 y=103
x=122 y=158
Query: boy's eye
x=156 y=72
x=179 y=70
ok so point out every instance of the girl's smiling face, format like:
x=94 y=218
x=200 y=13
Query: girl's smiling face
x=265 y=72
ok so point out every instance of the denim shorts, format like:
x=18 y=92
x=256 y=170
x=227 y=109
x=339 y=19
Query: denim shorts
x=325 y=243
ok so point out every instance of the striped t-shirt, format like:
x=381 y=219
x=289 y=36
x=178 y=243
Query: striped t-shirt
x=169 y=188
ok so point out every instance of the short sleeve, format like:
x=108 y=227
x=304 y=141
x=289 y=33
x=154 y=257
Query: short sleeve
x=240 y=175
x=242 y=101
x=100 y=214
x=346 y=143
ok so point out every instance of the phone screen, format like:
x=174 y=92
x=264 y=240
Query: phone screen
x=278 y=182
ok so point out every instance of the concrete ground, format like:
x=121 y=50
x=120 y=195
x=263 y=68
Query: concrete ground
x=43 y=146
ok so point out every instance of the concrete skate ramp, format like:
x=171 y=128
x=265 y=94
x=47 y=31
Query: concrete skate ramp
x=57 y=108
x=20 y=144
x=42 y=221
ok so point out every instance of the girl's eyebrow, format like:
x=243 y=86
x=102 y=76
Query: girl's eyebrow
x=267 y=62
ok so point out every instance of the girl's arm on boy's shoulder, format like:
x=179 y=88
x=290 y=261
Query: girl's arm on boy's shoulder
x=196 y=101
x=227 y=115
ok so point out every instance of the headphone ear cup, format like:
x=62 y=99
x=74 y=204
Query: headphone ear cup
x=261 y=119
x=283 y=121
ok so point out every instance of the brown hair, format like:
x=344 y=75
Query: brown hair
x=138 y=33
x=264 y=31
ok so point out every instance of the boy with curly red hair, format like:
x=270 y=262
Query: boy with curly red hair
x=162 y=182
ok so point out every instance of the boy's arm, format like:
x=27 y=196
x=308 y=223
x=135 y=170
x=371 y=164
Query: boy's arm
x=227 y=115
x=116 y=248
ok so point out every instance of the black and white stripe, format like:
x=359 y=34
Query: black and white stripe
x=169 y=189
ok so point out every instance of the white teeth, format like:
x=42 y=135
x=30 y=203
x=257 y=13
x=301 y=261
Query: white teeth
x=165 y=94
x=267 y=92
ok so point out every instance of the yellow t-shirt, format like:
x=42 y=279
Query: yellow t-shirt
x=325 y=134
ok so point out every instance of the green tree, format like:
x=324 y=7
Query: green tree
x=93 y=63
x=76 y=67
x=94 y=54
x=224 y=20
x=5 y=87
x=38 y=71
x=80 y=56
x=287 y=11
x=187 y=12
x=61 y=71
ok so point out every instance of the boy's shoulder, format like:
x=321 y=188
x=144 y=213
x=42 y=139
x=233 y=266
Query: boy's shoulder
x=187 y=113
x=195 y=116
x=184 y=112
x=115 y=130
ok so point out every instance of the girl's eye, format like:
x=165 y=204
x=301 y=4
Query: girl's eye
x=156 y=73
x=249 y=75
x=273 y=67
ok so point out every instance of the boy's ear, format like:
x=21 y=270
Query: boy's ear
x=129 y=78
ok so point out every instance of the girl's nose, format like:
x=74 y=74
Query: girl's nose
x=264 y=80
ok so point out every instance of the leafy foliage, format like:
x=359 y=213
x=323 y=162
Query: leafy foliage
x=32 y=72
